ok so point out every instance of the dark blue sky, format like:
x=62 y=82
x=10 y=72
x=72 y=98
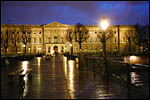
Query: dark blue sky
x=72 y=12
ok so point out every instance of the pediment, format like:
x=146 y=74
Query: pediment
x=55 y=24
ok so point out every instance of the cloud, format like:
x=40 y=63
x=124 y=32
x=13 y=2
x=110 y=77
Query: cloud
x=71 y=12
x=135 y=3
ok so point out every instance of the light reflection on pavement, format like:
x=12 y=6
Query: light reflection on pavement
x=60 y=78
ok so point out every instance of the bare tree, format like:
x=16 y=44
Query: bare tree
x=4 y=41
x=142 y=34
x=81 y=33
x=104 y=36
x=26 y=31
x=14 y=38
x=131 y=37
x=69 y=37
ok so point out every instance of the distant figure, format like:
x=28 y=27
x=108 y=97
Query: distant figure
x=6 y=63
x=47 y=57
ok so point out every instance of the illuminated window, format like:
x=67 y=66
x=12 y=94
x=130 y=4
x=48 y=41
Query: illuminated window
x=62 y=39
x=90 y=40
x=40 y=40
x=19 y=49
x=49 y=40
x=124 y=39
x=110 y=40
x=34 y=40
x=35 y=49
x=55 y=39
x=95 y=40
x=91 y=48
x=29 y=40
x=115 y=39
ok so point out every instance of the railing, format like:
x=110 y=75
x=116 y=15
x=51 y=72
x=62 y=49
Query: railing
x=120 y=72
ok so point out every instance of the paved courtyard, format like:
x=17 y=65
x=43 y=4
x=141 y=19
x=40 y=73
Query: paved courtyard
x=58 y=78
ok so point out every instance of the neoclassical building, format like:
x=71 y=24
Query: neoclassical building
x=43 y=38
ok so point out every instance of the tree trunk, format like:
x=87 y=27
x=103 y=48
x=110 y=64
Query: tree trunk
x=104 y=47
x=129 y=46
x=16 y=50
x=105 y=69
x=80 y=46
x=71 y=49
x=25 y=49
x=5 y=51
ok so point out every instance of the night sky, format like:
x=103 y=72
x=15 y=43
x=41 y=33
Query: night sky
x=72 y=12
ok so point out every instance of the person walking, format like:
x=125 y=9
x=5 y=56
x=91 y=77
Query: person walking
x=6 y=64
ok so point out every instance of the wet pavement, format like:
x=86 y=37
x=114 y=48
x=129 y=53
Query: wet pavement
x=59 y=78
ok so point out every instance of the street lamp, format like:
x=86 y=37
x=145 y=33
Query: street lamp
x=23 y=45
x=71 y=48
x=104 y=25
x=24 y=48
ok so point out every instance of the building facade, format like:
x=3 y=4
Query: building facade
x=43 y=39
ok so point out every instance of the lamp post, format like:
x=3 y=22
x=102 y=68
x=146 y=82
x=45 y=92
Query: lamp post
x=71 y=48
x=24 y=48
x=104 y=25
